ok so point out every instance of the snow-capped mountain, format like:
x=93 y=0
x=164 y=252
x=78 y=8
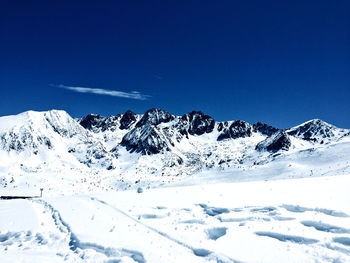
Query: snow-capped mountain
x=115 y=152
x=317 y=131
x=52 y=135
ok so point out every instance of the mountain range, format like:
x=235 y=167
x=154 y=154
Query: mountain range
x=129 y=150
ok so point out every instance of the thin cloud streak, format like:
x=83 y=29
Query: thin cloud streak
x=115 y=93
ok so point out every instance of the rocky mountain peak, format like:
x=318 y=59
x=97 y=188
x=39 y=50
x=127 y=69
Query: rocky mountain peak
x=314 y=130
x=127 y=120
x=197 y=123
x=237 y=129
x=155 y=116
x=145 y=140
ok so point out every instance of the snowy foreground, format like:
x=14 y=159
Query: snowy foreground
x=291 y=220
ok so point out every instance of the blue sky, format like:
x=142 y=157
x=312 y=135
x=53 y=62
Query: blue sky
x=280 y=62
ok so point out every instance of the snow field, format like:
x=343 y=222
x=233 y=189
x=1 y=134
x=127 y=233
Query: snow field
x=291 y=220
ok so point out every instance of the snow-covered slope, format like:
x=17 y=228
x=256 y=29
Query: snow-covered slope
x=49 y=149
x=51 y=136
x=293 y=220
x=129 y=150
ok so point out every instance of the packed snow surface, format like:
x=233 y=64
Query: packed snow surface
x=291 y=220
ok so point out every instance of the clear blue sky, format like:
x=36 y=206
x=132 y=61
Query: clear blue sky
x=280 y=62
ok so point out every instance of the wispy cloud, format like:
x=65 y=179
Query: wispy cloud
x=115 y=93
x=158 y=76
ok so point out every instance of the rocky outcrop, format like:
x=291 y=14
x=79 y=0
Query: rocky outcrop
x=154 y=117
x=146 y=140
x=237 y=129
x=98 y=123
x=127 y=120
x=196 y=123
x=276 y=142
x=147 y=137
x=92 y=121
x=264 y=128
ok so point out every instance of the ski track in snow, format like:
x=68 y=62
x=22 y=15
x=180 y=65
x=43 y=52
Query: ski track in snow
x=78 y=247
x=285 y=238
x=200 y=252
x=59 y=239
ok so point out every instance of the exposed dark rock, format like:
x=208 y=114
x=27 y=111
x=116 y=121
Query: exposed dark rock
x=274 y=143
x=127 y=120
x=92 y=120
x=97 y=123
x=222 y=125
x=237 y=129
x=155 y=116
x=146 y=140
x=110 y=123
x=314 y=130
x=197 y=123
x=44 y=140
x=264 y=128
x=146 y=137
x=25 y=139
